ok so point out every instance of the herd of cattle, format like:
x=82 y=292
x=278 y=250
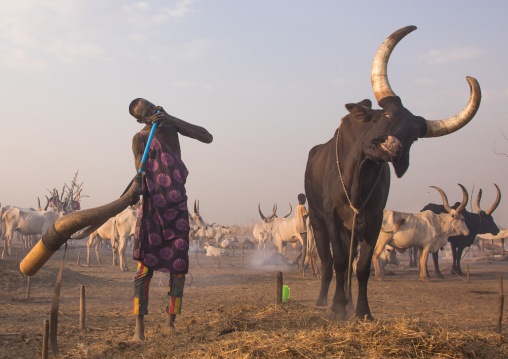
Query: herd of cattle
x=347 y=181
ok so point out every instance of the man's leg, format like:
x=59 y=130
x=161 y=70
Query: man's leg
x=141 y=287
x=174 y=299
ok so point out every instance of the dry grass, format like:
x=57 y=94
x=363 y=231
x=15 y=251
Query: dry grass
x=296 y=331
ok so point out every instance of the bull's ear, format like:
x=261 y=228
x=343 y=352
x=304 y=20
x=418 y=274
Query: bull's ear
x=401 y=164
x=361 y=111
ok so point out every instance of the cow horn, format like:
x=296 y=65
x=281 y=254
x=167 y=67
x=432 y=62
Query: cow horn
x=496 y=203
x=47 y=203
x=39 y=204
x=379 y=74
x=452 y=124
x=66 y=226
x=445 y=199
x=195 y=208
x=465 y=198
x=274 y=211
x=290 y=210
x=260 y=213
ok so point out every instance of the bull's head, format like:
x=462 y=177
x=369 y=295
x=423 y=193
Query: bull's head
x=271 y=217
x=457 y=220
x=196 y=216
x=487 y=222
x=389 y=133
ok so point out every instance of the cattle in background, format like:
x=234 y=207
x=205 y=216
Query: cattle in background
x=212 y=251
x=262 y=231
x=425 y=230
x=351 y=171
x=106 y=231
x=26 y=222
x=125 y=228
x=388 y=256
x=479 y=223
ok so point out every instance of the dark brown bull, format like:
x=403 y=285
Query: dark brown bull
x=351 y=171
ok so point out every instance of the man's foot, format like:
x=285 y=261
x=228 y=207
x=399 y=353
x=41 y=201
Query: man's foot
x=139 y=332
x=170 y=322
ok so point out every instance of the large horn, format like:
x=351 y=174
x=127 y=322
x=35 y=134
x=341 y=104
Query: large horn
x=452 y=124
x=66 y=226
x=260 y=213
x=465 y=198
x=47 y=203
x=496 y=203
x=477 y=203
x=445 y=199
x=274 y=211
x=39 y=204
x=290 y=211
x=195 y=208
x=379 y=74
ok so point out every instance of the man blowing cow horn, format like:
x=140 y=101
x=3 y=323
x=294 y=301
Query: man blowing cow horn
x=347 y=179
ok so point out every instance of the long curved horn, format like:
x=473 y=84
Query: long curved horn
x=496 y=203
x=39 y=204
x=260 y=213
x=195 y=208
x=379 y=74
x=47 y=203
x=465 y=198
x=477 y=203
x=290 y=210
x=445 y=199
x=452 y=124
x=66 y=226
x=274 y=211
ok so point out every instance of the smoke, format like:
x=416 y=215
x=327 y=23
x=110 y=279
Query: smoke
x=269 y=261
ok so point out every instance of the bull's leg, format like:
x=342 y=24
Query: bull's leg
x=381 y=242
x=88 y=245
x=459 y=256
x=121 y=253
x=363 y=274
x=454 y=255
x=424 y=257
x=435 y=258
x=323 y=249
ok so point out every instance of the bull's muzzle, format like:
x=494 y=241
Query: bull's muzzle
x=392 y=146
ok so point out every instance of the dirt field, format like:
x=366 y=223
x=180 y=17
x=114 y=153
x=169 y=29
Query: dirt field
x=215 y=286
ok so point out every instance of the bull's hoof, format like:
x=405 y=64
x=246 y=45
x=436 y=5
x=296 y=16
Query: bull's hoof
x=365 y=317
x=458 y=272
x=424 y=279
x=379 y=278
x=321 y=302
x=439 y=276
x=332 y=316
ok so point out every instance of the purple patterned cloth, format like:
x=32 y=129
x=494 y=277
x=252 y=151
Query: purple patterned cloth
x=161 y=240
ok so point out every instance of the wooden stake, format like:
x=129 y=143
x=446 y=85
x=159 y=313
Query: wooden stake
x=82 y=308
x=45 y=336
x=3 y=252
x=77 y=263
x=467 y=271
x=28 y=288
x=280 y=282
x=501 y=304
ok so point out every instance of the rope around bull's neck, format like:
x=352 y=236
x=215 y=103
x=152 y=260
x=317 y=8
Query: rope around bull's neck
x=355 y=212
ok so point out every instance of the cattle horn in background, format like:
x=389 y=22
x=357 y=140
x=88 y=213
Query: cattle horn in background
x=382 y=88
x=64 y=228
x=274 y=210
x=493 y=207
x=290 y=211
x=465 y=198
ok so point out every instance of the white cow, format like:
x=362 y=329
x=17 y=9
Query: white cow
x=284 y=231
x=212 y=251
x=227 y=243
x=26 y=222
x=213 y=232
x=263 y=230
x=106 y=231
x=125 y=226
x=387 y=256
x=425 y=230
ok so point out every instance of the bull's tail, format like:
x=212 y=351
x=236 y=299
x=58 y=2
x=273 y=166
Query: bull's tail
x=395 y=228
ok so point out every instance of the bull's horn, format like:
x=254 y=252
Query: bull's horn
x=195 y=208
x=452 y=124
x=290 y=211
x=445 y=199
x=379 y=74
x=274 y=211
x=260 y=213
x=66 y=226
x=465 y=198
x=47 y=203
x=39 y=204
x=496 y=203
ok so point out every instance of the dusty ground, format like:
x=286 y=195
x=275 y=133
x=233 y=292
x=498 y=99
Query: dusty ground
x=212 y=288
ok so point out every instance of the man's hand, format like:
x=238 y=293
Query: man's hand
x=160 y=118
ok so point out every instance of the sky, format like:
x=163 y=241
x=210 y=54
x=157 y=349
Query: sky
x=268 y=79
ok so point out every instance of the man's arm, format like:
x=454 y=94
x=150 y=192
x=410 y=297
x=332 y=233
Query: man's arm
x=184 y=128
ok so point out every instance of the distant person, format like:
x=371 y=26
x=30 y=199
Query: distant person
x=161 y=240
x=301 y=225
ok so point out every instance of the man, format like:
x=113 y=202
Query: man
x=301 y=224
x=161 y=240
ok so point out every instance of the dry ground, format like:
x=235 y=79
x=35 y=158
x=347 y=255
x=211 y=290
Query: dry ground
x=229 y=311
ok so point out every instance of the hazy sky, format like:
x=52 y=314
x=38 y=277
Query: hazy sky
x=269 y=80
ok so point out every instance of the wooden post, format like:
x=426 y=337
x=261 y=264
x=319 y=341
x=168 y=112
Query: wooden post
x=467 y=271
x=82 y=308
x=501 y=304
x=45 y=336
x=280 y=282
x=3 y=252
x=77 y=263
x=28 y=288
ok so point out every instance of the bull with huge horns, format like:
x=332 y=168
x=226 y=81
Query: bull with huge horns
x=347 y=179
